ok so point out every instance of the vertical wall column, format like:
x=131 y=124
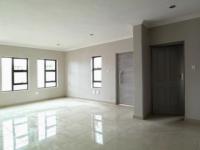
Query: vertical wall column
x=142 y=58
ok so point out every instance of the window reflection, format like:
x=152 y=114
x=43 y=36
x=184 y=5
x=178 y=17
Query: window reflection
x=46 y=125
x=98 y=128
x=15 y=133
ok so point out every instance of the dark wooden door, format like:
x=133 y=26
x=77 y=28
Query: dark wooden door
x=168 y=80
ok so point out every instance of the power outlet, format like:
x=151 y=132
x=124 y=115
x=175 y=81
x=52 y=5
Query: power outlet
x=93 y=92
x=97 y=92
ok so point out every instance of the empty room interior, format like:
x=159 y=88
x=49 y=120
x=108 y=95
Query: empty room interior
x=99 y=74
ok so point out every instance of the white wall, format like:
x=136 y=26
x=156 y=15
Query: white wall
x=16 y=97
x=79 y=70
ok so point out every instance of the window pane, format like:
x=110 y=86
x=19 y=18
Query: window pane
x=52 y=84
x=20 y=77
x=6 y=66
x=50 y=65
x=97 y=75
x=20 y=64
x=40 y=73
x=20 y=87
x=97 y=62
x=50 y=76
x=97 y=84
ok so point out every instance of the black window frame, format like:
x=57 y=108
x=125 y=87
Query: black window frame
x=13 y=71
x=45 y=72
x=95 y=69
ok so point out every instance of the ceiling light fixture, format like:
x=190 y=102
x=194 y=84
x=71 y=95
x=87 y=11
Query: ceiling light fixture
x=58 y=44
x=172 y=5
x=91 y=34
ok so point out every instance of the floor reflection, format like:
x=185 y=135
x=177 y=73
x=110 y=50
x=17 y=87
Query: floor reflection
x=46 y=125
x=15 y=133
x=98 y=129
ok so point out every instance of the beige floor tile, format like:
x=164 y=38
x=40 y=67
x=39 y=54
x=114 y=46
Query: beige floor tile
x=75 y=124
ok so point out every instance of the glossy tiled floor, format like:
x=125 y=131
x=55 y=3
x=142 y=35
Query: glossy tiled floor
x=72 y=124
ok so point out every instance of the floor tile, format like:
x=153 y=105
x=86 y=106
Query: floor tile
x=75 y=124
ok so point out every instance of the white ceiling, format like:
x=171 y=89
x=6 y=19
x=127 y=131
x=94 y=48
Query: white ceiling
x=44 y=23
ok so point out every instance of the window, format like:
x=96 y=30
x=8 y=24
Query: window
x=14 y=74
x=46 y=73
x=97 y=72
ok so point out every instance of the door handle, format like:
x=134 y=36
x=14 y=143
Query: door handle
x=121 y=77
x=182 y=76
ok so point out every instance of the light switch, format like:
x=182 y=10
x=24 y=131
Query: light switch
x=97 y=92
x=193 y=67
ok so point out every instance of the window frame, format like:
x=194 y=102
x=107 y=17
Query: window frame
x=95 y=69
x=13 y=71
x=45 y=71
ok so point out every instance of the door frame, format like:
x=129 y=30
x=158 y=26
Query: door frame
x=184 y=53
x=117 y=102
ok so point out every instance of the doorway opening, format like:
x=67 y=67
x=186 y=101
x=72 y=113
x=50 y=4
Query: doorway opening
x=168 y=79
